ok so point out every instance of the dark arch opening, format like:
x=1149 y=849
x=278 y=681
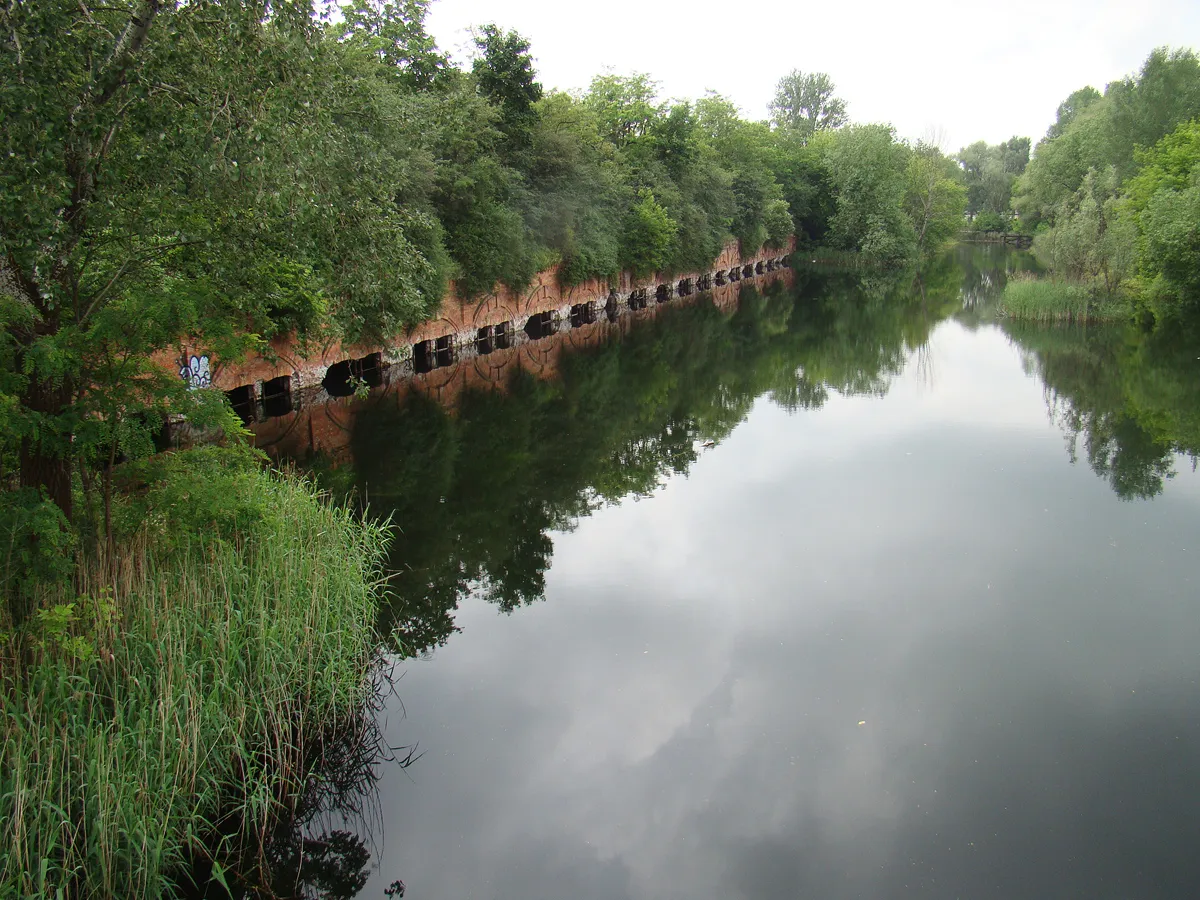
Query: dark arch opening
x=423 y=357
x=540 y=325
x=241 y=398
x=583 y=314
x=337 y=381
x=343 y=378
x=277 y=396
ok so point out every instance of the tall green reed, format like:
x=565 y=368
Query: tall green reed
x=162 y=713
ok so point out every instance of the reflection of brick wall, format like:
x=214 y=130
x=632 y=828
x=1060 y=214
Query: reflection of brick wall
x=326 y=427
x=458 y=317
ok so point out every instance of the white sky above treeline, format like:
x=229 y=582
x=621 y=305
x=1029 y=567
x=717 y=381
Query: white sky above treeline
x=959 y=70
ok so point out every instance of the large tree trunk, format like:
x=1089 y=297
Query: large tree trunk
x=43 y=465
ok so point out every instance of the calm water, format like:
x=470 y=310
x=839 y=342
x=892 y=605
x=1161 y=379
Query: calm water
x=920 y=620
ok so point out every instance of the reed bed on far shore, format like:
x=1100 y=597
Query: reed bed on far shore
x=1035 y=299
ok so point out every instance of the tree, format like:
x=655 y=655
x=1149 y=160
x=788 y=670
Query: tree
x=805 y=104
x=171 y=196
x=990 y=172
x=1171 y=229
x=625 y=106
x=1070 y=108
x=1092 y=237
x=868 y=169
x=394 y=34
x=649 y=236
x=935 y=197
x=507 y=78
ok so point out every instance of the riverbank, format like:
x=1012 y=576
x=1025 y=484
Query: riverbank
x=162 y=711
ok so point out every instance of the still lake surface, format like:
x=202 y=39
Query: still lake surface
x=921 y=620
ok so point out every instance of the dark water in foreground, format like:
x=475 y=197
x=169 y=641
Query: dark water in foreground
x=923 y=620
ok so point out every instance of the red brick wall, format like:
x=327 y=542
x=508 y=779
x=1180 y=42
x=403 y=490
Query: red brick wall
x=457 y=316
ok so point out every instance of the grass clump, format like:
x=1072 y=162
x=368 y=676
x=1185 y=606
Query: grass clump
x=1033 y=299
x=164 y=705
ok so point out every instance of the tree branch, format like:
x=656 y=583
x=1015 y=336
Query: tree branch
x=111 y=77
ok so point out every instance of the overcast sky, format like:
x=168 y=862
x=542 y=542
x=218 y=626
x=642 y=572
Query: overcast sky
x=971 y=70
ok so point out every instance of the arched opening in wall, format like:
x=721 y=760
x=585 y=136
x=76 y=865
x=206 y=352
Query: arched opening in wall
x=337 y=381
x=612 y=306
x=704 y=283
x=503 y=333
x=637 y=299
x=770 y=265
x=423 y=357
x=719 y=278
x=484 y=340
x=445 y=350
x=342 y=379
x=685 y=287
x=662 y=293
x=758 y=269
x=277 y=396
x=735 y=274
x=241 y=398
x=748 y=272
x=540 y=325
x=583 y=314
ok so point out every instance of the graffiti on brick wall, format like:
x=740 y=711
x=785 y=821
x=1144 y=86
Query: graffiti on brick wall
x=196 y=372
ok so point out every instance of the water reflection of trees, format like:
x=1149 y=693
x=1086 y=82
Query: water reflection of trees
x=476 y=493
x=1127 y=401
x=984 y=270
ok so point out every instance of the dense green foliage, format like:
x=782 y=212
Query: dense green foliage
x=175 y=702
x=1112 y=188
